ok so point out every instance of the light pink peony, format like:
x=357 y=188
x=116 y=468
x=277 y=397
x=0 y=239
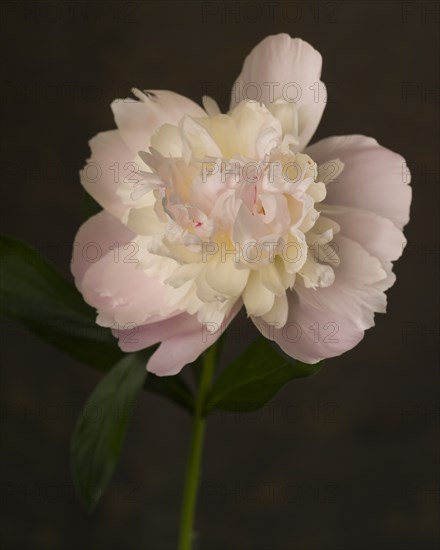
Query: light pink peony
x=205 y=213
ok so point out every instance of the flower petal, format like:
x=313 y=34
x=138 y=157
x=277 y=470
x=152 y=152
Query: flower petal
x=329 y=321
x=257 y=298
x=110 y=162
x=288 y=68
x=94 y=239
x=138 y=120
x=122 y=293
x=222 y=275
x=377 y=235
x=374 y=178
x=183 y=340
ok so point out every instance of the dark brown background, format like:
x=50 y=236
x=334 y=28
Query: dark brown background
x=346 y=460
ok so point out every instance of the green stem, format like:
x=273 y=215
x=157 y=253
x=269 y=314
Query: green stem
x=195 y=455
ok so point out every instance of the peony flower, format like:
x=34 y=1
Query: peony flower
x=207 y=212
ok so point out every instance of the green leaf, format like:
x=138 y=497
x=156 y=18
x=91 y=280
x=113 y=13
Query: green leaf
x=100 y=430
x=34 y=293
x=254 y=378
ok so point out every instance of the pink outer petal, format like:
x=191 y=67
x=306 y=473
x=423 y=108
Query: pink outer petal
x=281 y=66
x=374 y=178
x=138 y=120
x=94 y=239
x=329 y=321
x=377 y=235
x=110 y=162
x=123 y=294
x=183 y=340
x=105 y=268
